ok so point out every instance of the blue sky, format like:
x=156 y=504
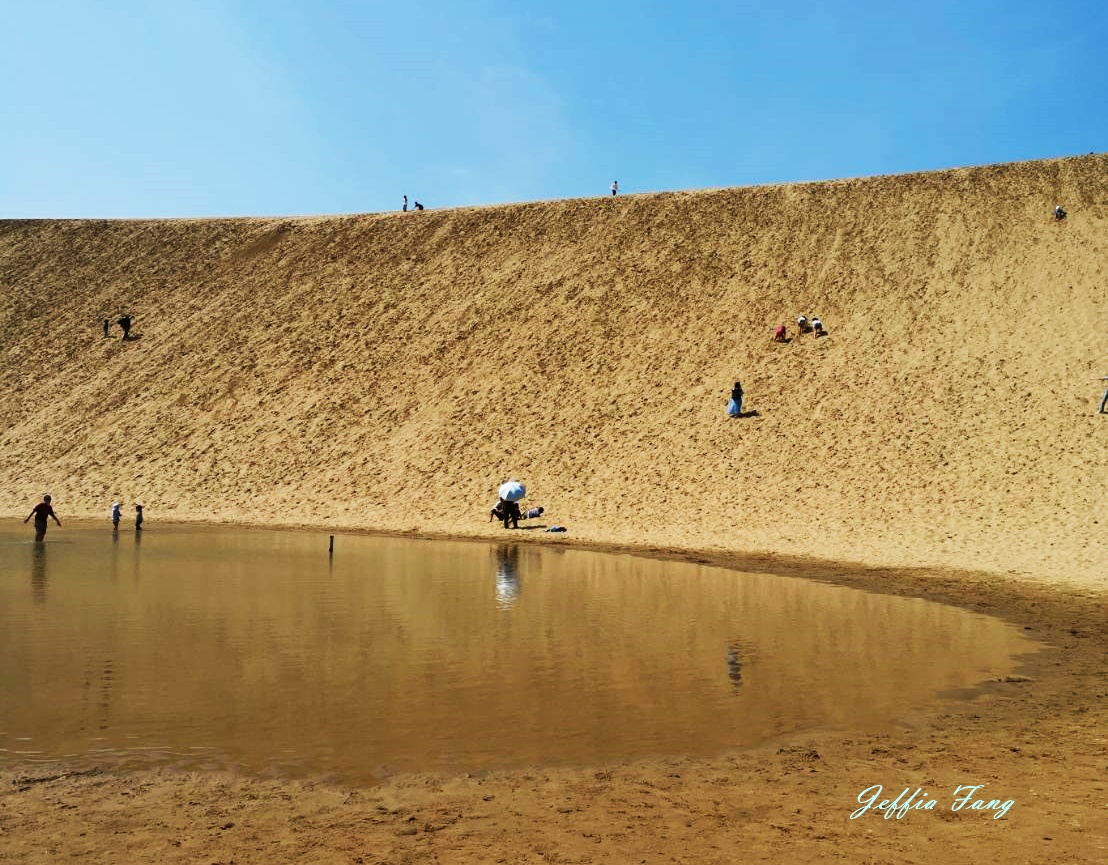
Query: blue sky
x=237 y=107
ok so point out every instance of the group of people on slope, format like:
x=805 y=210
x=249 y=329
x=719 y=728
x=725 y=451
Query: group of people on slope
x=124 y=321
x=510 y=512
x=815 y=326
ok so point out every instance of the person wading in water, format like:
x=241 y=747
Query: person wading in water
x=41 y=512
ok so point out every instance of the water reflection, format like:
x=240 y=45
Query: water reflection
x=38 y=572
x=507 y=576
x=734 y=664
x=257 y=651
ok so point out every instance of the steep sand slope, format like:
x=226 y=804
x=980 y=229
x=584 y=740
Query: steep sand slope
x=387 y=371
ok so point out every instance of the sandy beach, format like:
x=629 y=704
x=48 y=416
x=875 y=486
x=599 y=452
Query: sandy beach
x=385 y=372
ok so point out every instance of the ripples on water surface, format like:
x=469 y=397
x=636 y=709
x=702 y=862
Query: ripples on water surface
x=250 y=649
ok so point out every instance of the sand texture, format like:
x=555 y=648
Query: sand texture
x=385 y=372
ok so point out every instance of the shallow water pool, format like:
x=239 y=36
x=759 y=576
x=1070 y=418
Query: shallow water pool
x=254 y=650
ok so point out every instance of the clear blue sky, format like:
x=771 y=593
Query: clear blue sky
x=238 y=107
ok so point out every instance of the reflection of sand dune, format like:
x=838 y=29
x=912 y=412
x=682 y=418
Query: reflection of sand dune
x=232 y=641
x=302 y=370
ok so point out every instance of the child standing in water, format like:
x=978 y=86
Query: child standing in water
x=117 y=515
x=138 y=518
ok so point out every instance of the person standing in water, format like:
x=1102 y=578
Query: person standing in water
x=41 y=512
x=138 y=518
x=117 y=515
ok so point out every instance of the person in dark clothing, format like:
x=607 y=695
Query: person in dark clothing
x=418 y=206
x=125 y=323
x=736 y=406
x=405 y=207
x=497 y=512
x=511 y=514
x=138 y=518
x=107 y=327
x=1059 y=213
x=42 y=512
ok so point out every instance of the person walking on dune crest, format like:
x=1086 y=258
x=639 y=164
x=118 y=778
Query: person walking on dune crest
x=615 y=187
x=41 y=512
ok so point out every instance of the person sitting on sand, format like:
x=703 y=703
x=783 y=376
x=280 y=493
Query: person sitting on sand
x=779 y=334
x=41 y=512
x=533 y=513
x=497 y=512
x=1059 y=213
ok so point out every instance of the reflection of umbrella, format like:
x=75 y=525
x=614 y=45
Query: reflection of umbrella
x=512 y=491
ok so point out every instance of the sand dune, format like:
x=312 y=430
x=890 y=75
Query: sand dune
x=387 y=371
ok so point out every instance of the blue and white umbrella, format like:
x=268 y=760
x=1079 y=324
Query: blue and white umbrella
x=512 y=491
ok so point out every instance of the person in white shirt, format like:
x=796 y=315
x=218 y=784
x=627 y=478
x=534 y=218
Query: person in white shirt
x=615 y=187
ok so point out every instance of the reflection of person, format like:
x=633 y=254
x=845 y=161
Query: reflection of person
x=41 y=512
x=38 y=573
x=734 y=664
x=507 y=576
